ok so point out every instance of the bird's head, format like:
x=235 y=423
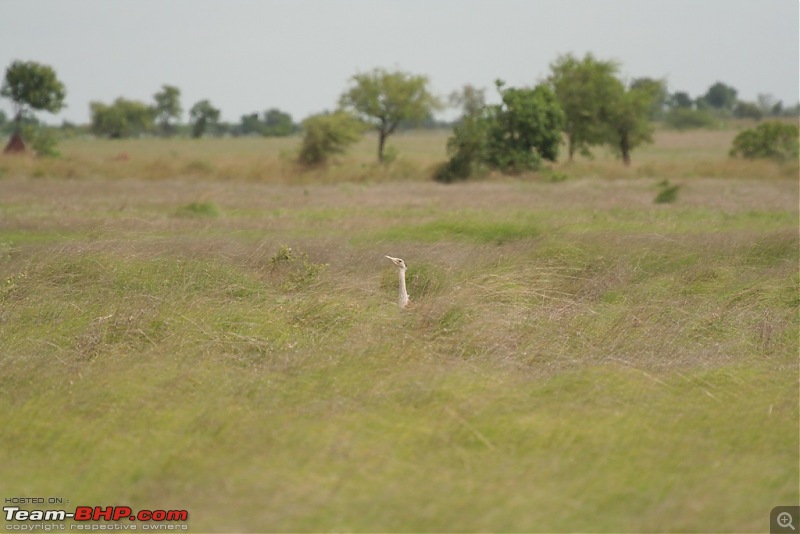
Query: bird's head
x=400 y=264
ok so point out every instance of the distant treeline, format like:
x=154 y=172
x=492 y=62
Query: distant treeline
x=130 y=118
x=164 y=116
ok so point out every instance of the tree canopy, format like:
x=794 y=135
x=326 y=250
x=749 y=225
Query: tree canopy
x=31 y=85
x=168 y=108
x=123 y=118
x=275 y=123
x=385 y=99
x=278 y=123
x=627 y=117
x=660 y=96
x=720 y=96
x=470 y=99
x=584 y=87
x=201 y=116
x=680 y=99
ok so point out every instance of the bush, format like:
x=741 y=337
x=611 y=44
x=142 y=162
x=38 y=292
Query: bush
x=512 y=137
x=748 y=110
x=524 y=129
x=43 y=140
x=686 y=118
x=467 y=149
x=770 y=140
x=668 y=193
x=328 y=134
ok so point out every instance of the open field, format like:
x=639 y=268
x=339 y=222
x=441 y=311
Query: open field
x=674 y=155
x=577 y=358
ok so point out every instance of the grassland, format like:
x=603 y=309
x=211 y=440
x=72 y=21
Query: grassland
x=577 y=357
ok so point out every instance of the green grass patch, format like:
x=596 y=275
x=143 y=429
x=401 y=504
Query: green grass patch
x=319 y=446
x=198 y=209
x=668 y=193
x=464 y=226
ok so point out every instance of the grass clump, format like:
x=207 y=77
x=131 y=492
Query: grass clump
x=198 y=209
x=555 y=176
x=668 y=193
x=294 y=269
x=425 y=279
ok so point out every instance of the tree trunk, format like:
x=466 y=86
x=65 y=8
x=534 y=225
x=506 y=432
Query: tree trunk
x=571 y=145
x=625 y=149
x=382 y=134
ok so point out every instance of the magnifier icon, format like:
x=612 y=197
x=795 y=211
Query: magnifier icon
x=785 y=520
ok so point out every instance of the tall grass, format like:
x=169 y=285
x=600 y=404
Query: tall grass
x=577 y=358
x=693 y=154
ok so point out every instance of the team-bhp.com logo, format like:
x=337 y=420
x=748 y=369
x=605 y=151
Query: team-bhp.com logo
x=158 y=519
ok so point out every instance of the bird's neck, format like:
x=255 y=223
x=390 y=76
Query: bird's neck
x=403 y=300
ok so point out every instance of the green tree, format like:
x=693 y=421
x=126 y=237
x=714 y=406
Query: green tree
x=275 y=123
x=583 y=88
x=168 y=108
x=471 y=100
x=748 y=110
x=278 y=123
x=627 y=118
x=327 y=134
x=249 y=124
x=524 y=129
x=513 y=136
x=680 y=99
x=766 y=103
x=31 y=86
x=385 y=99
x=720 y=97
x=660 y=95
x=467 y=146
x=123 y=118
x=769 y=140
x=201 y=116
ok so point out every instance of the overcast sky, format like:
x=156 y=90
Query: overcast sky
x=297 y=55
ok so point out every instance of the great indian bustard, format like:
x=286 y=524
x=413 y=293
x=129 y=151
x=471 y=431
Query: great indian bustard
x=402 y=299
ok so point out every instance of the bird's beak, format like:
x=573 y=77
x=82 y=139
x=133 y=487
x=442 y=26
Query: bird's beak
x=396 y=261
